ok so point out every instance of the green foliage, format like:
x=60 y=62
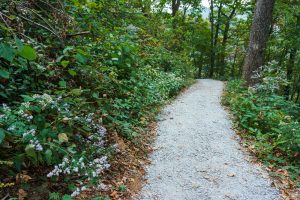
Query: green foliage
x=271 y=121
x=71 y=70
x=122 y=188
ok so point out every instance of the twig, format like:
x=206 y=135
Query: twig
x=5 y=197
x=1 y=15
x=76 y=34
x=49 y=25
x=42 y=26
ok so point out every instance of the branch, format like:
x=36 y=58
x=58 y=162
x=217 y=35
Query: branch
x=42 y=26
x=76 y=34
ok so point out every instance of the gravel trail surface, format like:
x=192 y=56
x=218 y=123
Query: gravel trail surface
x=197 y=156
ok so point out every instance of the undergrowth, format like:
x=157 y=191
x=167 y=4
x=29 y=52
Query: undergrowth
x=65 y=89
x=271 y=124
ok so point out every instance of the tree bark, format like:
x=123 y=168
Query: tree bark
x=200 y=64
x=216 y=37
x=225 y=38
x=175 y=7
x=258 y=38
x=289 y=72
x=212 y=49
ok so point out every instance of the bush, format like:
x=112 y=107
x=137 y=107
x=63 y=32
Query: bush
x=271 y=121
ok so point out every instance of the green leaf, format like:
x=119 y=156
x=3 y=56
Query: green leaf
x=3 y=95
x=2 y=135
x=7 y=52
x=4 y=74
x=28 y=53
x=64 y=63
x=95 y=95
x=81 y=58
x=20 y=44
x=72 y=72
x=66 y=197
x=30 y=151
x=48 y=156
x=27 y=98
x=76 y=92
x=67 y=49
x=62 y=84
x=54 y=196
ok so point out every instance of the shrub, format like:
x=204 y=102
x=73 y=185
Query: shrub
x=271 y=121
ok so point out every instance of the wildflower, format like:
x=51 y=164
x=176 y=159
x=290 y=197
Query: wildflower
x=25 y=104
x=36 y=144
x=6 y=108
x=30 y=132
x=76 y=192
x=102 y=187
x=11 y=128
x=2 y=116
x=75 y=169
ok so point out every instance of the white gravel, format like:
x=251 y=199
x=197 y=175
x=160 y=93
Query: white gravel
x=197 y=155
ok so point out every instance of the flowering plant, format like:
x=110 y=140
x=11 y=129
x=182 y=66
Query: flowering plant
x=271 y=78
x=47 y=130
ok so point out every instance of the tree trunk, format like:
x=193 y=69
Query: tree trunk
x=200 y=64
x=258 y=38
x=216 y=37
x=175 y=7
x=233 y=63
x=212 y=51
x=289 y=72
x=146 y=7
x=225 y=38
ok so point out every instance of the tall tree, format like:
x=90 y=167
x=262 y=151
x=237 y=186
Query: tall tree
x=228 y=19
x=258 y=38
x=212 y=46
x=175 y=6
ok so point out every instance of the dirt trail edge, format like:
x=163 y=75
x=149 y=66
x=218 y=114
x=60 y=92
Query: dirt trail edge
x=198 y=157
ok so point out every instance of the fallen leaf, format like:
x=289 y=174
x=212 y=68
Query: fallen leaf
x=63 y=137
x=22 y=194
x=113 y=194
x=23 y=177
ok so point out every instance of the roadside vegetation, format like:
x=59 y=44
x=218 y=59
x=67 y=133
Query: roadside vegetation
x=75 y=73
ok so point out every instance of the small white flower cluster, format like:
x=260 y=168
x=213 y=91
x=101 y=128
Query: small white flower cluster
x=34 y=141
x=11 y=128
x=116 y=148
x=44 y=99
x=54 y=103
x=89 y=117
x=6 y=108
x=67 y=167
x=27 y=116
x=102 y=187
x=25 y=104
x=270 y=77
x=100 y=164
x=36 y=144
x=95 y=139
x=78 y=190
x=3 y=116
x=30 y=132
x=93 y=168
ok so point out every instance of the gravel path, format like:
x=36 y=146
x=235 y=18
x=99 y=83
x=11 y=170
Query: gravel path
x=197 y=155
